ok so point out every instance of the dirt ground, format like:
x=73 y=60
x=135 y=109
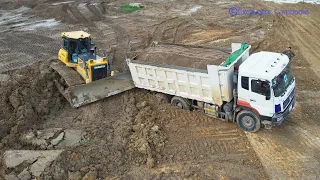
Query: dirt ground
x=130 y=136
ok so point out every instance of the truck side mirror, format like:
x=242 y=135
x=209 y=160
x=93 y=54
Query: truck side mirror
x=268 y=92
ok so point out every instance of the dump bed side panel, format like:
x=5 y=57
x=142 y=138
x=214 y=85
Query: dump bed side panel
x=185 y=82
x=224 y=75
x=215 y=84
x=212 y=86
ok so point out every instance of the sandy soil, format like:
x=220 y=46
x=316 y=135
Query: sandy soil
x=132 y=136
x=183 y=56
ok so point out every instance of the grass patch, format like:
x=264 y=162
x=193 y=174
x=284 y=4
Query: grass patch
x=131 y=8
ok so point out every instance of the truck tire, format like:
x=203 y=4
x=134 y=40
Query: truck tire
x=181 y=103
x=248 y=121
x=162 y=98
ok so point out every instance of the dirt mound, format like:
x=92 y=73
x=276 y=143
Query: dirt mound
x=183 y=56
x=147 y=139
x=117 y=137
x=120 y=132
x=27 y=97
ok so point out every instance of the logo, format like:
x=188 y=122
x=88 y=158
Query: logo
x=234 y=11
x=99 y=67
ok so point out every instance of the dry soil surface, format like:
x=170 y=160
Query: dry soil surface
x=130 y=136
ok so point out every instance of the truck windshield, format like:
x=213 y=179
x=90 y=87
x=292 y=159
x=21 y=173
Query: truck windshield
x=282 y=81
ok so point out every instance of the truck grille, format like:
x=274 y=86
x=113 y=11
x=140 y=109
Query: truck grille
x=287 y=101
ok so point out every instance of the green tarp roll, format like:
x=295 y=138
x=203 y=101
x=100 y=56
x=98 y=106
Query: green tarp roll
x=235 y=55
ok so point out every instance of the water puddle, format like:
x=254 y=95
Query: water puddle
x=18 y=20
x=39 y=24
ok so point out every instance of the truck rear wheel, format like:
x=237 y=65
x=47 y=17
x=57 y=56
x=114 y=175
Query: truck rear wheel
x=181 y=103
x=248 y=121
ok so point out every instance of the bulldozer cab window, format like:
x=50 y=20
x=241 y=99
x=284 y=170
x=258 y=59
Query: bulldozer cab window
x=83 y=45
x=65 y=44
x=73 y=46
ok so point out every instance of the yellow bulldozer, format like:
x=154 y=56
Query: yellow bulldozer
x=85 y=76
x=77 y=52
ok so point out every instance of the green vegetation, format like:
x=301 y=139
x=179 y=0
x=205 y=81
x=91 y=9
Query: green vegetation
x=131 y=7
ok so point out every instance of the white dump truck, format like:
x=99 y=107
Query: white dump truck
x=254 y=91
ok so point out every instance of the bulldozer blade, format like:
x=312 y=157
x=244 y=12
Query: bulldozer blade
x=87 y=93
x=78 y=93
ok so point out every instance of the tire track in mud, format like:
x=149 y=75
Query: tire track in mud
x=196 y=138
x=93 y=9
x=304 y=32
x=18 y=53
x=292 y=150
x=283 y=161
x=15 y=64
x=122 y=44
x=66 y=8
x=169 y=26
x=78 y=15
x=312 y=98
x=160 y=28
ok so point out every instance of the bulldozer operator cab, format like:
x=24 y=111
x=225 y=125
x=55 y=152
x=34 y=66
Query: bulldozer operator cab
x=77 y=52
x=76 y=47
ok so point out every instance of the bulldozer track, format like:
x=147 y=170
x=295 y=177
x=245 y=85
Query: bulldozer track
x=15 y=65
x=44 y=45
x=65 y=8
x=85 y=13
x=77 y=14
x=95 y=11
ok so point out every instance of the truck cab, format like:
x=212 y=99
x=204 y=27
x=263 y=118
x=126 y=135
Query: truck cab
x=266 y=90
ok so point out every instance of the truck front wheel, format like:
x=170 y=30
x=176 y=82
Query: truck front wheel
x=248 y=121
x=181 y=103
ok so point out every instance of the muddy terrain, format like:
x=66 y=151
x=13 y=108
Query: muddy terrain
x=131 y=135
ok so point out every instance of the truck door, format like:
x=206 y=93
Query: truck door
x=260 y=97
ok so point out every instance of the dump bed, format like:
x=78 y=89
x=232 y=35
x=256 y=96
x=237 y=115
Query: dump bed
x=183 y=55
x=213 y=85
